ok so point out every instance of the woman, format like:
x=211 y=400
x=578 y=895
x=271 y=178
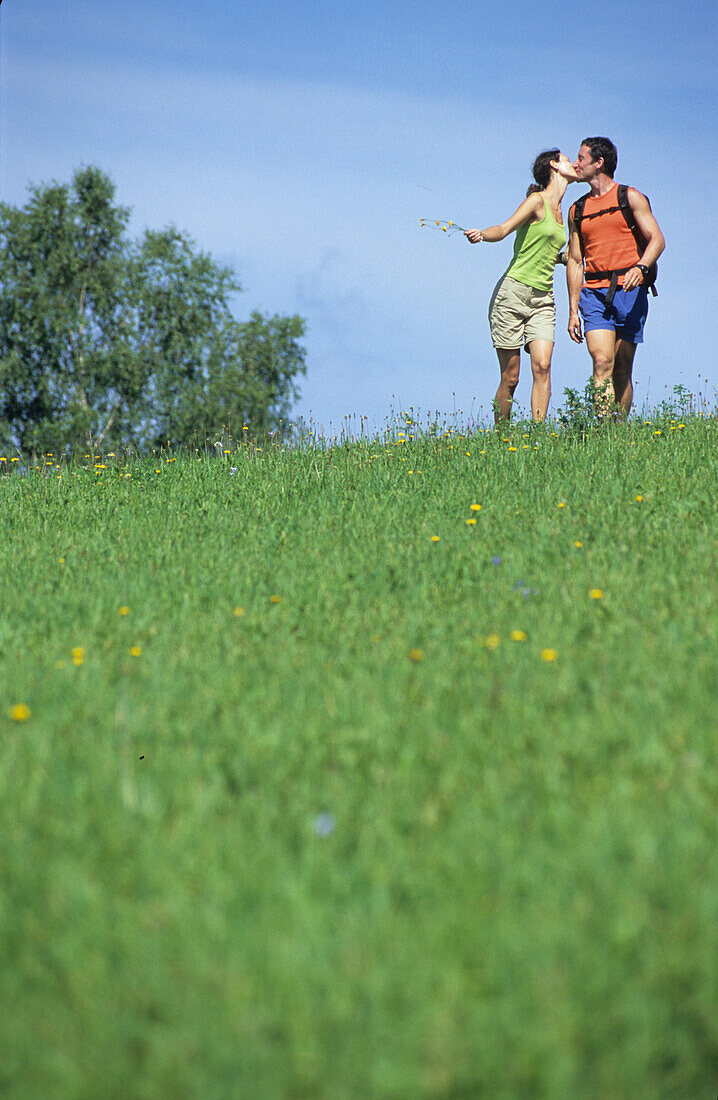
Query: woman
x=522 y=312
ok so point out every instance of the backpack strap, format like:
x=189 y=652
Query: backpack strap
x=625 y=207
x=578 y=217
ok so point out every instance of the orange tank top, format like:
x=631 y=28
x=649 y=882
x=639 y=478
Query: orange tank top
x=608 y=243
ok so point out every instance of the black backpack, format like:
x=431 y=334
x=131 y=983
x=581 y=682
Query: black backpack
x=625 y=207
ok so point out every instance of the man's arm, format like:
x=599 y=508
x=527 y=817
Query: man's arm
x=529 y=209
x=574 y=280
x=655 y=241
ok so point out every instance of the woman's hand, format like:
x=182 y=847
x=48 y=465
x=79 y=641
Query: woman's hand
x=474 y=236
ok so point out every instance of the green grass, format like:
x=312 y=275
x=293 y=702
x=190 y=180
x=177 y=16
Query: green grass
x=517 y=892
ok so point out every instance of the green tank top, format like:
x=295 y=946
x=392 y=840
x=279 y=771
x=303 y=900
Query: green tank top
x=536 y=247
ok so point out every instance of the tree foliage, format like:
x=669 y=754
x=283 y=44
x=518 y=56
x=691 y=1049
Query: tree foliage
x=120 y=341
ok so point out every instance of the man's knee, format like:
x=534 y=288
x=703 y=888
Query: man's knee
x=603 y=364
x=623 y=366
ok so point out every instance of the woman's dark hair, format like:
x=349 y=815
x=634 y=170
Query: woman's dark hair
x=542 y=170
x=603 y=147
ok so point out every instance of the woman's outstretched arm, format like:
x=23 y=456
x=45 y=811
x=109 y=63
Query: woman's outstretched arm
x=529 y=209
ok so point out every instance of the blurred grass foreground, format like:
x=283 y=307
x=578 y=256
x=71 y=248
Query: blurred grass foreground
x=373 y=768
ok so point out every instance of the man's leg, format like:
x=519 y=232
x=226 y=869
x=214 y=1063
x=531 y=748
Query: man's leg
x=623 y=376
x=540 y=352
x=601 y=344
x=509 y=362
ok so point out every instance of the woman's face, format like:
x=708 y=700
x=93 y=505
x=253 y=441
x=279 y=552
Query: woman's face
x=564 y=167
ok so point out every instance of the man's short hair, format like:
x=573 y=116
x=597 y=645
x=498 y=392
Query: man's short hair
x=603 y=147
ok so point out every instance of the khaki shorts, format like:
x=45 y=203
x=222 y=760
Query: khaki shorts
x=519 y=314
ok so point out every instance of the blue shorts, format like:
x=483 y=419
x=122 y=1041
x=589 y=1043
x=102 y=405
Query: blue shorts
x=625 y=316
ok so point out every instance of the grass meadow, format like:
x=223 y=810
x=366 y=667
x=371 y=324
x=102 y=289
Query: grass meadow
x=372 y=768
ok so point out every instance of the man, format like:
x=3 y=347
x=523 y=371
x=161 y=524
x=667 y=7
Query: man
x=608 y=271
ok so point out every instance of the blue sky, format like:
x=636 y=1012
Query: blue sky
x=301 y=142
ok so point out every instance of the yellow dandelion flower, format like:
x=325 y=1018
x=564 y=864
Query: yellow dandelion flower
x=549 y=654
x=61 y=561
x=239 y=612
x=471 y=523
x=435 y=538
x=78 y=655
x=518 y=635
x=124 y=610
x=512 y=448
x=658 y=432
x=416 y=654
x=275 y=599
x=578 y=544
x=596 y=593
x=491 y=641
x=20 y=712
x=476 y=507
x=135 y=651
x=561 y=504
x=639 y=498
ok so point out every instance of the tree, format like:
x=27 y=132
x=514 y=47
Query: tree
x=116 y=341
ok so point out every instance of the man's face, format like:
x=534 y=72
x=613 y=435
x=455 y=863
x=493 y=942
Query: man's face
x=586 y=167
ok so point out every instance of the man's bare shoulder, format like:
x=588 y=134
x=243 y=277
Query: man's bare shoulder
x=637 y=199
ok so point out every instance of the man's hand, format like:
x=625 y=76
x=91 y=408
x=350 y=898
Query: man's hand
x=632 y=279
x=475 y=236
x=574 y=328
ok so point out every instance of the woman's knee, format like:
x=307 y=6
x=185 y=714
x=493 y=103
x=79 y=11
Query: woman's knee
x=541 y=367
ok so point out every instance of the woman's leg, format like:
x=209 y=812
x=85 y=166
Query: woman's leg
x=540 y=352
x=509 y=362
